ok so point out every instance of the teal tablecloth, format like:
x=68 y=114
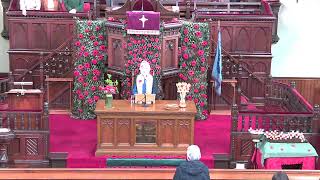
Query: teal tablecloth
x=270 y=150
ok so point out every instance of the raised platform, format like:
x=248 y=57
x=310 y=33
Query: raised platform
x=79 y=137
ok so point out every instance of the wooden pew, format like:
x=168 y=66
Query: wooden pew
x=139 y=174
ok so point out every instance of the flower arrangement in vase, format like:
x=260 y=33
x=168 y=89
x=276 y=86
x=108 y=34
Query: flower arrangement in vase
x=183 y=88
x=109 y=89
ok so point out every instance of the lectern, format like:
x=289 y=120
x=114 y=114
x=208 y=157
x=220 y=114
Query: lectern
x=25 y=99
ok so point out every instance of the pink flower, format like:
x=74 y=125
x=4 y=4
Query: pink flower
x=191 y=72
x=184 y=65
x=198 y=34
x=95 y=78
x=85 y=73
x=101 y=57
x=92 y=37
x=183 y=48
x=96 y=72
x=205 y=112
x=86 y=30
x=193 y=63
x=95 y=52
x=154 y=61
x=89 y=23
x=96 y=98
x=202 y=104
x=189 y=98
x=85 y=84
x=196 y=26
x=185 y=31
x=93 y=88
x=193 y=46
x=203 y=60
x=82 y=48
x=200 y=52
x=156 y=40
x=196 y=90
x=96 y=43
x=102 y=47
x=195 y=80
x=94 y=61
x=98 y=28
x=80 y=67
x=81 y=96
x=181 y=76
x=80 y=36
x=78 y=91
x=185 y=56
x=196 y=100
x=204 y=96
x=100 y=37
x=203 y=69
x=76 y=73
x=202 y=86
x=80 y=79
x=186 y=40
x=86 y=93
x=204 y=43
x=90 y=101
x=77 y=43
x=86 y=65
x=85 y=54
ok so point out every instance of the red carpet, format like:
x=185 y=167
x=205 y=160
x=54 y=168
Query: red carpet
x=78 y=138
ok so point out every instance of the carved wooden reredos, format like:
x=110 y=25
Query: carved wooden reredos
x=136 y=5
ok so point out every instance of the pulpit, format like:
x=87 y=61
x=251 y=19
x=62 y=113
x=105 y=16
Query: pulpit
x=120 y=43
x=133 y=129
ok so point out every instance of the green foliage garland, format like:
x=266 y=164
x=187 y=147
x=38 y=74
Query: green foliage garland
x=194 y=63
x=90 y=51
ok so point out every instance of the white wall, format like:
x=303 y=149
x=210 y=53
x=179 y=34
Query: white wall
x=297 y=52
x=4 y=46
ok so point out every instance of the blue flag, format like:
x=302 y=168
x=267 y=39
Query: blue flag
x=217 y=67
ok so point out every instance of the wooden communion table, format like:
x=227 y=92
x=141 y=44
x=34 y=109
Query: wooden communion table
x=131 y=129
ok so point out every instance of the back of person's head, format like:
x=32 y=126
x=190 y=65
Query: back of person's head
x=193 y=153
x=280 y=176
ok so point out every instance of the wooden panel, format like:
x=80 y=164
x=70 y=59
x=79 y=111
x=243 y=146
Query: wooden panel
x=184 y=128
x=144 y=173
x=242 y=40
x=308 y=87
x=169 y=53
x=38 y=34
x=18 y=35
x=107 y=132
x=260 y=40
x=123 y=132
x=115 y=51
x=58 y=33
x=167 y=131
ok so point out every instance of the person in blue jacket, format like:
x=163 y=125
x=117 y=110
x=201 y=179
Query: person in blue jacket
x=193 y=168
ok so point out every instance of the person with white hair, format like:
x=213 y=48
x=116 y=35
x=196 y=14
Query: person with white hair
x=193 y=168
x=144 y=83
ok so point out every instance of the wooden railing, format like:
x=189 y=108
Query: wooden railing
x=140 y=174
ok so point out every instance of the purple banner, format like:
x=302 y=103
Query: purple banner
x=143 y=22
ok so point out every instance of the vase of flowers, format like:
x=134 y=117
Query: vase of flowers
x=183 y=88
x=109 y=90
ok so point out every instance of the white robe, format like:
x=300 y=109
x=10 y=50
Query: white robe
x=149 y=83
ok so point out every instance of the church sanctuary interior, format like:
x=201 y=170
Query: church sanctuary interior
x=119 y=89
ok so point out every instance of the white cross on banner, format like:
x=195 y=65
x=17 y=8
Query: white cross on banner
x=143 y=22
